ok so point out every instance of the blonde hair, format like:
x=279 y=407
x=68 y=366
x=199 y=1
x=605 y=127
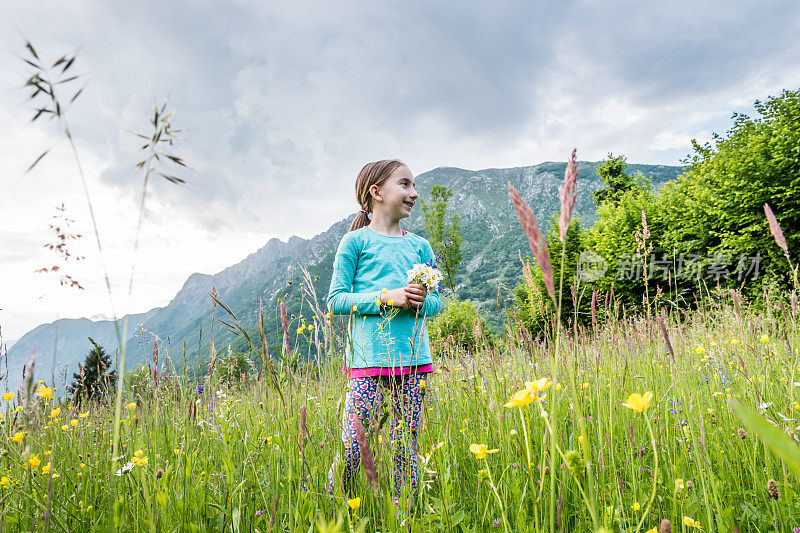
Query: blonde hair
x=375 y=173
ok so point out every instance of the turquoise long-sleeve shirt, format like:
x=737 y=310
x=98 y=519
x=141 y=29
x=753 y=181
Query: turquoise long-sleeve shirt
x=366 y=262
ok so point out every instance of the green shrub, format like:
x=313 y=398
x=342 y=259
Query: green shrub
x=532 y=305
x=459 y=326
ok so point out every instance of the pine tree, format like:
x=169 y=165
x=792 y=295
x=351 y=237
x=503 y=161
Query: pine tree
x=93 y=379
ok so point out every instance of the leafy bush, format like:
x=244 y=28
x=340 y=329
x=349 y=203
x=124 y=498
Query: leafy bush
x=459 y=326
x=532 y=305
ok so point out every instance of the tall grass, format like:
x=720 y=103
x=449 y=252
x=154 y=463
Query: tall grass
x=252 y=453
x=227 y=457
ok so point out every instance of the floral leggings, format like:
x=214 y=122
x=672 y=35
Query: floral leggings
x=364 y=398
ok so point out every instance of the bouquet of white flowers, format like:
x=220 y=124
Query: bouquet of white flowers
x=426 y=274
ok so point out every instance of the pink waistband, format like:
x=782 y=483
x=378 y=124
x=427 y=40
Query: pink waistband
x=373 y=371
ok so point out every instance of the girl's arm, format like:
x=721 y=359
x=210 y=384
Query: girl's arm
x=432 y=304
x=341 y=299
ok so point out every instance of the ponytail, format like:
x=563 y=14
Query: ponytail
x=361 y=220
x=375 y=173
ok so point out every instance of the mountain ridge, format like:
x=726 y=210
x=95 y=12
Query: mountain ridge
x=492 y=239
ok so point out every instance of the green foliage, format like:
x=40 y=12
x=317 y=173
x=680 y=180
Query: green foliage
x=613 y=237
x=140 y=381
x=459 y=325
x=708 y=226
x=532 y=305
x=445 y=239
x=617 y=181
x=94 y=378
x=717 y=206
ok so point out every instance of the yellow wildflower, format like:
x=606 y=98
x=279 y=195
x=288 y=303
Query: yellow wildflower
x=45 y=392
x=74 y=422
x=8 y=396
x=480 y=450
x=55 y=412
x=636 y=506
x=138 y=453
x=585 y=385
x=638 y=403
x=65 y=427
x=46 y=469
x=4 y=481
x=558 y=386
x=18 y=436
x=690 y=522
x=310 y=327
x=355 y=308
x=384 y=291
x=34 y=461
x=390 y=302
x=355 y=503
x=47 y=452
x=300 y=330
x=734 y=341
x=422 y=384
x=131 y=406
x=764 y=338
x=653 y=530
x=699 y=349
x=530 y=393
x=84 y=415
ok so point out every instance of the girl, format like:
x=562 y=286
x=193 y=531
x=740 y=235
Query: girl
x=388 y=342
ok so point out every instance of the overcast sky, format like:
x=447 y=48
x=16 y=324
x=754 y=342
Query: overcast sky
x=282 y=103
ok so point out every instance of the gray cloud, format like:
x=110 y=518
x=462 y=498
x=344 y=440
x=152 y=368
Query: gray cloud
x=282 y=104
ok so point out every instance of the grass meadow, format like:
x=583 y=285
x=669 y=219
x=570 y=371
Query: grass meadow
x=676 y=418
x=238 y=456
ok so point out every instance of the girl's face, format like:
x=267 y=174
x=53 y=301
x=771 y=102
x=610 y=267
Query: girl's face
x=397 y=195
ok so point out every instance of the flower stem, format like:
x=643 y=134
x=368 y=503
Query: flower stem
x=655 y=475
x=496 y=495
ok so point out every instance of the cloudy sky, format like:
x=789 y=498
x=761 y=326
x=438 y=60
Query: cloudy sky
x=280 y=105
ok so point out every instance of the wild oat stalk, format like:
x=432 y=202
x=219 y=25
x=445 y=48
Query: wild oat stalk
x=43 y=81
x=154 y=163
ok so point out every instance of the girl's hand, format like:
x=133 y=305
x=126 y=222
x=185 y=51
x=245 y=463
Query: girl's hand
x=415 y=294
x=397 y=296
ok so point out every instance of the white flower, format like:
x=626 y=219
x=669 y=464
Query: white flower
x=426 y=275
x=127 y=467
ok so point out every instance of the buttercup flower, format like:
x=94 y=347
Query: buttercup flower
x=34 y=461
x=638 y=403
x=530 y=393
x=355 y=503
x=481 y=450
x=690 y=522
x=18 y=436
x=45 y=392
x=131 y=406
x=55 y=412
x=8 y=396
